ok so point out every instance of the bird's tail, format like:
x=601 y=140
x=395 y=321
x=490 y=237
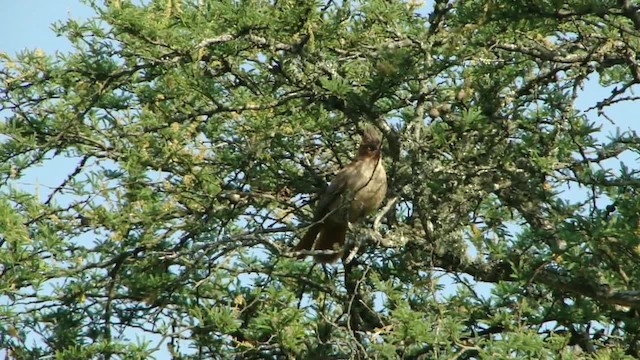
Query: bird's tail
x=331 y=238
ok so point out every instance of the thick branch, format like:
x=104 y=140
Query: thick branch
x=550 y=275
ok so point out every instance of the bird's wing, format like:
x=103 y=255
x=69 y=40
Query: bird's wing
x=344 y=180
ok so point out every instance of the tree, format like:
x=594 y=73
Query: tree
x=203 y=130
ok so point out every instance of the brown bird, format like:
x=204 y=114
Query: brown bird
x=357 y=190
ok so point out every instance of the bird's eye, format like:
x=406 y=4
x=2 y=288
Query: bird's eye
x=372 y=148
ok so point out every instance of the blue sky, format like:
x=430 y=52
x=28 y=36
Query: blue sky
x=26 y=24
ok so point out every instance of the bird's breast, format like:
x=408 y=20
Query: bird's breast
x=371 y=192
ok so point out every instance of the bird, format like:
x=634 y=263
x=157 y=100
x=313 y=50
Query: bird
x=356 y=190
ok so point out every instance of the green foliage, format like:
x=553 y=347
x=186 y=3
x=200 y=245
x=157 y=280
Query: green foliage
x=199 y=132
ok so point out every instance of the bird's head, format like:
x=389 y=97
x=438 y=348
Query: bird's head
x=371 y=143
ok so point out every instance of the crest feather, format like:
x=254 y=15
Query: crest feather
x=371 y=136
